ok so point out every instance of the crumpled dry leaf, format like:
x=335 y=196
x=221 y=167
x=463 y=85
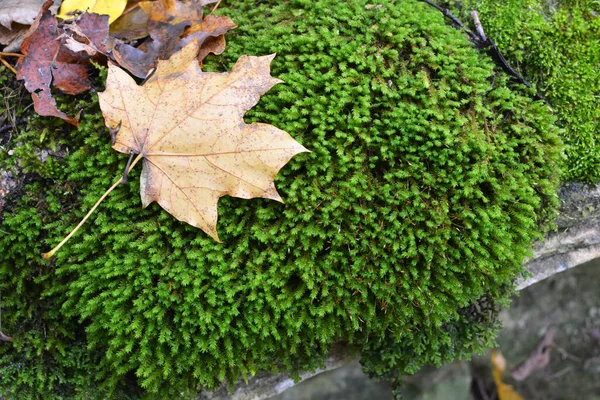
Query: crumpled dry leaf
x=210 y=32
x=89 y=33
x=171 y=26
x=112 y=8
x=536 y=360
x=22 y=11
x=505 y=392
x=131 y=25
x=174 y=11
x=15 y=18
x=189 y=127
x=163 y=42
x=47 y=62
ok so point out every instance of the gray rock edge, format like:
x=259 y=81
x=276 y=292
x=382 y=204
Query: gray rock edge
x=575 y=242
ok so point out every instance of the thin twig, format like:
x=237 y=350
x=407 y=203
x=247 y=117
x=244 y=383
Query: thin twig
x=560 y=373
x=49 y=254
x=478 y=25
x=215 y=8
x=482 y=42
x=450 y=16
x=124 y=178
x=566 y=354
x=2 y=54
x=7 y=65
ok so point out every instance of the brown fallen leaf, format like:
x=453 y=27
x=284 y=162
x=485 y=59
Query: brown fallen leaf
x=189 y=127
x=15 y=18
x=88 y=33
x=171 y=26
x=174 y=11
x=22 y=12
x=131 y=25
x=47 y=62
x=210 y=32
x=536 y=360
x=505 y=392
x=163 y=42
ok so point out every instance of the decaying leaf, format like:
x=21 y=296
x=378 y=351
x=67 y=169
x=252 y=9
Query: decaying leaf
x=536 y=360
x=210 y=32
x=131 y=25
x=163 y=42
x=173 y=11
x=172 y=25
x=112 y=8
x=47 y=63
x=88 y=33
x=189 y=127
x=505 y=392
x=22 y=11
x=15 y=18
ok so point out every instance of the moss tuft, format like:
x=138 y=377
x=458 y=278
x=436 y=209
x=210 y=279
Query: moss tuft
x=429 y=178
x=556 y=46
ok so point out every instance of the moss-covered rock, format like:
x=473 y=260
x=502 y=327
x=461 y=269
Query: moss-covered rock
x=556 y=46
x=429 y=178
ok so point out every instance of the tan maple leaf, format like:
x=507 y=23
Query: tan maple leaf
x=188 y=125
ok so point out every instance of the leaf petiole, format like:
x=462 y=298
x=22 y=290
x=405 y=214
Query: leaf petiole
x=49 y=254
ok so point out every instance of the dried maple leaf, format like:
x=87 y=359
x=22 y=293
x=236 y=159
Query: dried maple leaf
x=188 y=126
x=47 y=62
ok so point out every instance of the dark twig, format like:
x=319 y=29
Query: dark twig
x=450 y=16
x=113 y=132
x=124 y=179
x=478 y=25
x=8 y=127
x=480 y=41
x=215 y=8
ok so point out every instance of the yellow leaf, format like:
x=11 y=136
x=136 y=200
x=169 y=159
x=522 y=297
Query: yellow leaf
x=112 y=8
x=188 y=125
x=505 y=392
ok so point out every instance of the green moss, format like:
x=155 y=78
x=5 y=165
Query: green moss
x=429 y=178
x=556 y=46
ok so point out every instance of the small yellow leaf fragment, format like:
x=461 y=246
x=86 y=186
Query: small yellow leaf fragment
x=112 y=8
x=505 y=392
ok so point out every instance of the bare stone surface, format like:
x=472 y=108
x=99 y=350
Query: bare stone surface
x=265 y=384
x=577 y=239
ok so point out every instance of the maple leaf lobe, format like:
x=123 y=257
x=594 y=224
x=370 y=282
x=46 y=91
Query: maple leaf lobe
x=189 y=126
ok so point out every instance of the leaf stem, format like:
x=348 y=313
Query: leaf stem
x=7 y=65
x=117 y=183
x=2 y=54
